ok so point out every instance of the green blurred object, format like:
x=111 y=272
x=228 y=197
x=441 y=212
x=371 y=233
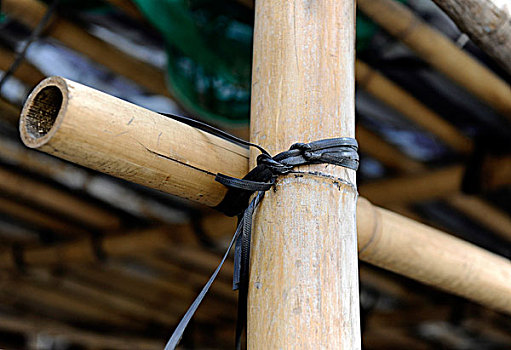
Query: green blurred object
x=209 y=47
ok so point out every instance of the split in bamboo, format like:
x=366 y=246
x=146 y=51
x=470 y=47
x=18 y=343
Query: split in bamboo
x=440 y=52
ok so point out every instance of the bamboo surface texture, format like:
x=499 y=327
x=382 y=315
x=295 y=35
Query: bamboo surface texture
x=436 y=49
x=389 y=227
x=303 y=290
x=104 y=133
x=486 y=23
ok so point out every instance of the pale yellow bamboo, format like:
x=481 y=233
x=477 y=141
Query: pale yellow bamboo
x=408 y=248
x=440 y=52
x=303 y=89
x=104 y=133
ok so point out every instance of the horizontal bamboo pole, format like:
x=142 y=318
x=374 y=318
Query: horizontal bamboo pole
x=486 y=22
x=30 y=12
x=33 y=217
x=60 y=201
x=399 y=99
x=436 y=49
x=104 y=133
x=434 y=184
x=411 y=249
x=385 y=239
x=33 y=325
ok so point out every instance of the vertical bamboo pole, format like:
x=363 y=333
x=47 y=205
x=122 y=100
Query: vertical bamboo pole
x=303 y=289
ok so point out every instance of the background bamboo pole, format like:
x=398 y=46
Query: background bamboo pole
x=303 y=290
x=33 y=325
x=385 y=239
x=30 y=12
x=440 y=52
x=396 y=97
x=60 y=201
x=438 y=183
x=26 y=72
x=486 y=23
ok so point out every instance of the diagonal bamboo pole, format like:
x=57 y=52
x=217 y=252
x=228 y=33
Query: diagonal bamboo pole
x=488 y=24
x=303 y=290
x=30 y=12
x=455 y=272
x=440 y=52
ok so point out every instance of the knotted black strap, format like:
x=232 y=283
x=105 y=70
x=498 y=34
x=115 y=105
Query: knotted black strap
x=337 y=151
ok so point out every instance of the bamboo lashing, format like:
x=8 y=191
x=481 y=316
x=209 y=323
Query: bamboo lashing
x=486 y=22
x=436 y=49
x=237 y=164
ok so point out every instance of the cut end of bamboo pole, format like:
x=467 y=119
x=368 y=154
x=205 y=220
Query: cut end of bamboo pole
x=43 y=111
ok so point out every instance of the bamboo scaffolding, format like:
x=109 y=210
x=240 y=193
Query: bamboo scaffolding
x=435 y=184
x=440 y=52
x=396 y=97
x=484 y=213
x=389 y=228
x=110 y=301
x=486 y=23
x=26 y=72
x=44 y=195
x=33 y=325
x=20 y=291
x=30 y=12
x=39 y=219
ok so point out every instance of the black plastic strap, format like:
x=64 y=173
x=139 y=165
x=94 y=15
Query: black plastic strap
x=178 y=332
x=337 y=151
